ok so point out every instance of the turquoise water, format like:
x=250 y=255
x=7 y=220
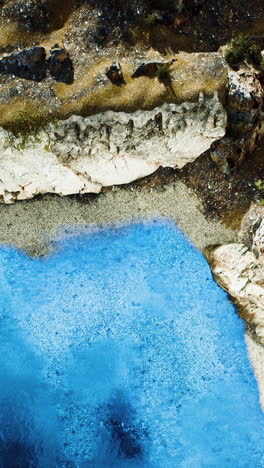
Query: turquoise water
x=120 y=351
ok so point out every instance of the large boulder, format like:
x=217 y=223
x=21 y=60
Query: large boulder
x=109 y=148
x=239 y=269
x=29 y=64
x=60 y=65
x=149 y=69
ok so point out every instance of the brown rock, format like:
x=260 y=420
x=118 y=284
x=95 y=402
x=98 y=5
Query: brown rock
x=114 y=74
x=61 y=66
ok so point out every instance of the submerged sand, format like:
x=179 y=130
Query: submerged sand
x=34 y=226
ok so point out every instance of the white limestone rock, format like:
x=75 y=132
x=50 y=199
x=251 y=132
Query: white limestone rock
x=171 y=135
x=109 y=148
x=245 y=92
x=239 y=269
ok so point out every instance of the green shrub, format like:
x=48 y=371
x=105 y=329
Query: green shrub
x=151 y=20
x=243 y=48
x=260 y=186
x=24 y=125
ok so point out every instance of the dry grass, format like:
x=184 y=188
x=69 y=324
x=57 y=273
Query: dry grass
x=11 y=35
x=90 y=98
x=21 y=106
x=193 y=73
x=190 y=74
x=161 y=38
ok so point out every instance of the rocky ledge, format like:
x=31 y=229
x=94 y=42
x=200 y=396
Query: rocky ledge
x=83 y=154
x=238 y=268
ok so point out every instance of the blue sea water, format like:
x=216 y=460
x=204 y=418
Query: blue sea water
x=119 y=350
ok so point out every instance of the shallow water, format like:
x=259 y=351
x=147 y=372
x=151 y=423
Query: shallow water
x=121 y=351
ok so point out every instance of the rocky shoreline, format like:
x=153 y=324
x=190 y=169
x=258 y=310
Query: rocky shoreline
x=179 y=135
x=238 y=268
x=84 y=154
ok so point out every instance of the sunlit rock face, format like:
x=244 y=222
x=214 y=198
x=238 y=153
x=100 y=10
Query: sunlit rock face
x=82 y=155
x=119 y=350
x=239 y=268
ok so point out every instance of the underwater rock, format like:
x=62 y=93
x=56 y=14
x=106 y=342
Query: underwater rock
x=126 y=438
x=61 y=66
x=29 y=64
x=238 y=268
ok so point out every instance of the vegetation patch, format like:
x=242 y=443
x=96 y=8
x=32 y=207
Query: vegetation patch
x=25 y=125
x=242 y=49
x=260 y=186
x=151 y=20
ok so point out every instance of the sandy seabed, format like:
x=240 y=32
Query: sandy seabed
x=34 y=225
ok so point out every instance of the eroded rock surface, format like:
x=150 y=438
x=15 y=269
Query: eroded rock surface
x=81 y=155
x=244 y=104
x=239 y=268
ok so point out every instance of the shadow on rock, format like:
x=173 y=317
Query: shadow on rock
x=60 y=65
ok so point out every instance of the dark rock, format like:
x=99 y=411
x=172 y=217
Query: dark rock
x=61 y=66
x=146 y=69
x=169 y=5
x=165 y=18
x=29 y=64
x=149 y=69
x=114 y=73
x=101 y=34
